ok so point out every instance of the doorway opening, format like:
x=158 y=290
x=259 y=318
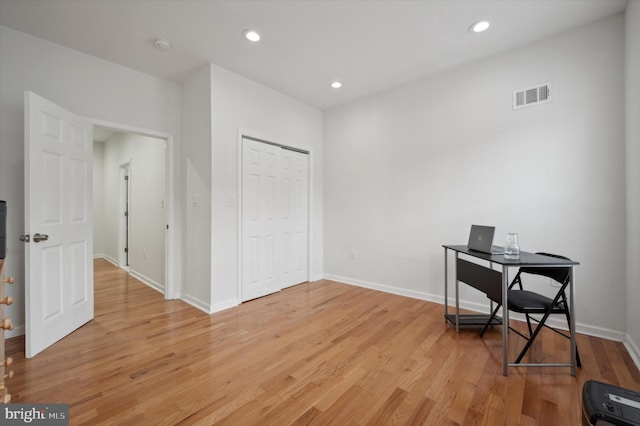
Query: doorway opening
x=134 y=208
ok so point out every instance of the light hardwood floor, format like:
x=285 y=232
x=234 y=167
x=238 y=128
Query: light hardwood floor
x=320 y=353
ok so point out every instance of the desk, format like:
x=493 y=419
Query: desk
x=489 y=281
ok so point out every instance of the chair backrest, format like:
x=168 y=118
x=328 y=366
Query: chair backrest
x=560 y=274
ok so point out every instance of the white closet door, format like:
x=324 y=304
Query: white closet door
x=295 y=201
x=275 y=218
x=261 y=219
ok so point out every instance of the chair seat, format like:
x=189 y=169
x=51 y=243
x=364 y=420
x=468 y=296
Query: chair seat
x=527 y=301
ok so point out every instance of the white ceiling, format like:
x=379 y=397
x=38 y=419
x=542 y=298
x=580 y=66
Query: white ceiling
x=370 y=46
x=102 y=134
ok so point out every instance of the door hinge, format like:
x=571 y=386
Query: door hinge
x=126 y=178
x=26 y=238
x=126 y=250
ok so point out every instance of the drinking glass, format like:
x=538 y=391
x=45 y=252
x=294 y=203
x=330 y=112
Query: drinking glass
x=511 y=247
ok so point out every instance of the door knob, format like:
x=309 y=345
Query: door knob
x=40 y=237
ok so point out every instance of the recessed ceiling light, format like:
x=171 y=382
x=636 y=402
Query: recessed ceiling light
x=479 y=27
x=162 y=44
x=251 y=35
x=336 y=85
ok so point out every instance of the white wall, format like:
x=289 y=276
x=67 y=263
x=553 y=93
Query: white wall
x=411 y=169
x=81 y=83
x=98 y=200
x=196 y=136
x=632 y=91
x=147 y=213
x=238 y=103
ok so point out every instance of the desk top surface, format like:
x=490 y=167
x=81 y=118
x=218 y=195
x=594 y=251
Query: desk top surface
x=526 y=258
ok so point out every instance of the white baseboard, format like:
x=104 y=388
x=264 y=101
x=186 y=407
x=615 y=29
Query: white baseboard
x=207 y=308
x=633 y=348
x=387 y=289
x=224 y=305
x=17 y=331
x=195 y=302
x=107 y=258
x=479 y=307
x=316 y=277
x=603 y=333
x=148 y=281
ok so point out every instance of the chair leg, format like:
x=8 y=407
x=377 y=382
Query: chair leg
x=542 y=324
x=495 y=311
x=569 y=324
x=529 y=324
x=532 y=337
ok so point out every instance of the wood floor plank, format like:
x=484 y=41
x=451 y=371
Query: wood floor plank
x=421 y=411
x=315 y=354
x=385 y=413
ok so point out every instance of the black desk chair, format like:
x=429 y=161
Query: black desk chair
x=528 y=302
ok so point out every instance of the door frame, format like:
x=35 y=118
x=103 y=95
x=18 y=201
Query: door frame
x=172 y=288
x=250 y=134
x=124 y=221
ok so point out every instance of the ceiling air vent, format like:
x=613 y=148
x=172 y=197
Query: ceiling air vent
x=532 y=96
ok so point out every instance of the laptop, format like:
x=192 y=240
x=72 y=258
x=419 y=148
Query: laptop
x=481 y=239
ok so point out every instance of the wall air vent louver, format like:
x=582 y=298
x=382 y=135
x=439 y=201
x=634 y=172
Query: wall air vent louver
x=535 y=95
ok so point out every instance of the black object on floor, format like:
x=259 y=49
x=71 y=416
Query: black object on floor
x=605 y=404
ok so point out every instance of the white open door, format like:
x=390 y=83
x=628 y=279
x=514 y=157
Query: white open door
x=58 y=222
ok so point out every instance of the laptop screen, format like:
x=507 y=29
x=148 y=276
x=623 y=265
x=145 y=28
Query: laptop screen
x=481 y=238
